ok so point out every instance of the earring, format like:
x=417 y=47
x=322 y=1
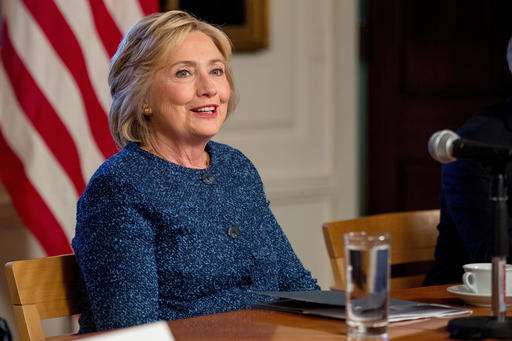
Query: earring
x=147 y=110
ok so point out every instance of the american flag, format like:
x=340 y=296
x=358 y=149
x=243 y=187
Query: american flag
x=54 y=101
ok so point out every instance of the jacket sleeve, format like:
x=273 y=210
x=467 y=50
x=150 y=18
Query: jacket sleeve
x=114 y=249
x=292 y=274
x=466 y=189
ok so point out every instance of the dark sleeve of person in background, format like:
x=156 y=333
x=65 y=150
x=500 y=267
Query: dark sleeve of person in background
x=465 y=228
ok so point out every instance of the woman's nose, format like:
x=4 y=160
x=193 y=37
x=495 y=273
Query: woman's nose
x=206 y=87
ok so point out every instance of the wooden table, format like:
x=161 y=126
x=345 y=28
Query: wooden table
x=270 y=325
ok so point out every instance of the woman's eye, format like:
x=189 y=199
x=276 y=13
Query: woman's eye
x=182 y=73
x=217 y=72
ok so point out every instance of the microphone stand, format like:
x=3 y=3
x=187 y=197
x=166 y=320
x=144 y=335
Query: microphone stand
x=498 y=326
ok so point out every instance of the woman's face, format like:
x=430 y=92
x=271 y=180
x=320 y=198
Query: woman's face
x=189 y=96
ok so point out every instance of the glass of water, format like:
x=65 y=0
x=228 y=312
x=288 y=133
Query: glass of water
x=367 y=291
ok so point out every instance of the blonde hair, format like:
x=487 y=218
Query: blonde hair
x=140 y=54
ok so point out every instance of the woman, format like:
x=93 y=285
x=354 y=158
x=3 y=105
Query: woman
x=176 y=225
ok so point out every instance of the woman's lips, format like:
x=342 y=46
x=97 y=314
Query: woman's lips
x=206 y=111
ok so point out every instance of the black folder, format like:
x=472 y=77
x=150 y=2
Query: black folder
x=331 y=303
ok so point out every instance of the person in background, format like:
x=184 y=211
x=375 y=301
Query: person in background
x=175 y=225
x=465 y=228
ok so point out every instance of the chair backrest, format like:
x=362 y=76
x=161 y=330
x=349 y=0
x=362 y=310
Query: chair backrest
x=41 y=289
x=413 y=240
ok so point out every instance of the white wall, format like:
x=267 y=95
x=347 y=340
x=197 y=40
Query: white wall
x=296 y=120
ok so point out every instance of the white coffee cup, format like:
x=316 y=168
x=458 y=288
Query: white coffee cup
x=477 y=278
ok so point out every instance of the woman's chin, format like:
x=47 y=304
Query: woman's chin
x=207 y=129
x=206 y=134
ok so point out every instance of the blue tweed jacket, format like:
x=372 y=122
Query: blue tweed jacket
x=158 y=241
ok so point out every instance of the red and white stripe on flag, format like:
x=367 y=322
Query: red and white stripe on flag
x=54 y=100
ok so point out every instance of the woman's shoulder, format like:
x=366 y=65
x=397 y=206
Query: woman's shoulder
x=234 y=162
x=111 y=167
x=115 y=173
x=223 y=149
x=228 y=154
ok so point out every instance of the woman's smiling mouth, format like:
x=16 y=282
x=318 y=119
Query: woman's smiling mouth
x=206 y=111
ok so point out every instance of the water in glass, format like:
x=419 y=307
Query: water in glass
x=367 y=291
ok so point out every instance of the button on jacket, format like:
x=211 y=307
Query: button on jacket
x=155 y=240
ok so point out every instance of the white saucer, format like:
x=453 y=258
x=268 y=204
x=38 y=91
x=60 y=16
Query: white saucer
x=474 y=299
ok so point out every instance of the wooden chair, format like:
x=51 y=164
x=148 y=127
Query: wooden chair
x=41 y=289
x=413 y=240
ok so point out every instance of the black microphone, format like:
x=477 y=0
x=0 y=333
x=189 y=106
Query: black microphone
x=446 y=146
